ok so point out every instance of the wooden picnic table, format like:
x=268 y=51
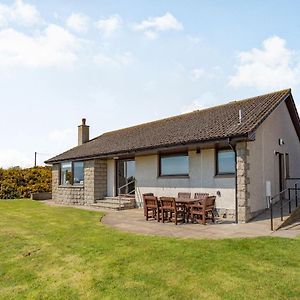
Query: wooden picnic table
x=186 y=200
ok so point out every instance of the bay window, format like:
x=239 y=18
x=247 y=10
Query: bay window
x=72 y=173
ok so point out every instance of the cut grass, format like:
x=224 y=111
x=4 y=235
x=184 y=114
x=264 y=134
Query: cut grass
x=66 y=253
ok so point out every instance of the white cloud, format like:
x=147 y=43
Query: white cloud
x=163 y=23
x=20 y=13
x=194 y=40
x=62 y=139
x=108 y=26
x=197 y=73
x=103 y=59
x=153 y=25
x=12 y=158
x=151 y=35
x=54 y=46
x=78 y=22
x=150 y=86
x=200 y=73
x=194 y=105
x=207 y=99
x=59 y=135
x=272 y=66
x=115 y=61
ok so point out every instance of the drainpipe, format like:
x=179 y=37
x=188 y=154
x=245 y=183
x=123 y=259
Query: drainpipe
x=235 y=194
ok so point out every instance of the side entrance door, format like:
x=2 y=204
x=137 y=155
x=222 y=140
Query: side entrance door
x=125 y=170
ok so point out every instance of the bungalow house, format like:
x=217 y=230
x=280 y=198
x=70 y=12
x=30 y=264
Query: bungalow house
x=230 y=151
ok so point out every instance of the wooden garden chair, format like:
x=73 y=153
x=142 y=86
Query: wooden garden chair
x=197 y=197
x=200 y=196
x=173 y=211
x=151 y=207
x=204 y=210
x=184 y=195
x=146 y=194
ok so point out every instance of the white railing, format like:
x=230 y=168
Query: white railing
x=128 y=193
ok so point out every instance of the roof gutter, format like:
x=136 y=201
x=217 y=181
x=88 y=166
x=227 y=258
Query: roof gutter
x=233 y=139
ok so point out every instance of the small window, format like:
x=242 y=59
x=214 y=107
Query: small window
x=78 y=172
x=175 y=164
x=225 y=161
x=287 y=166
x=66 y=173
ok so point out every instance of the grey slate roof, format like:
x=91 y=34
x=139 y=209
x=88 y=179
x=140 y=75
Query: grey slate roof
x=199 y=126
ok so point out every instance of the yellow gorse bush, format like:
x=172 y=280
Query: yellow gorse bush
x=20 y=183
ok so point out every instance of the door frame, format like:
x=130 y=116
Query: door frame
x=117 y=174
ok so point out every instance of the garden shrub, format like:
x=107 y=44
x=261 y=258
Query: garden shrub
x=20 y=183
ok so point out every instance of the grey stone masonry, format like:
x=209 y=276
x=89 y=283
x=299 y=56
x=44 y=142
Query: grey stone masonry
x=243 y=181
x=94 y=188
x=95 y=180
x=68 y=194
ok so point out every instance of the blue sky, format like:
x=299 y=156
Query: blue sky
x=120 y=63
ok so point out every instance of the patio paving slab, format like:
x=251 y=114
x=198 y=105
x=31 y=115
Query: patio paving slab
x=133 y=221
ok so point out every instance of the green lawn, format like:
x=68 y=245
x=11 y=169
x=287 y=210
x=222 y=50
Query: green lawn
x=65 y=253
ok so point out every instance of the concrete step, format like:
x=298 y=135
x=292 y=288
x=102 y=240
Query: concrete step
x=117 y=200
x=290 y=220
x=114 y=203
x=127 y=196
x=111 y=206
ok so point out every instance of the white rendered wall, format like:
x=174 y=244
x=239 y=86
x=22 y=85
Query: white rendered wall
x=263 y=163
x=201 y=179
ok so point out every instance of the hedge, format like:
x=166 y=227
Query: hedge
x=20 y=183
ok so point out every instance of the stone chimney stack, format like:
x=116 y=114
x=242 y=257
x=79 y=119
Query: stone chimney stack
x=83 y=133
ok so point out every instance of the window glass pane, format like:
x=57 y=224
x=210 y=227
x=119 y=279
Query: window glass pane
x=287 y=166
x=78 y=173
x=174 y=165
x=226 y=161
x=130 y=170
x=66 y=173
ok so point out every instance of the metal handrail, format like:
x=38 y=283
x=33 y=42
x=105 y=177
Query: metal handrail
x=288 y=202
x=119 y=189
x=131 y=192
x=283 y=191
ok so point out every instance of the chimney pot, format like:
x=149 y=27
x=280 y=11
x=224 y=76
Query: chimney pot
x=83 y=132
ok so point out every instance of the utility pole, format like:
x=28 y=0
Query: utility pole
x=35 y=154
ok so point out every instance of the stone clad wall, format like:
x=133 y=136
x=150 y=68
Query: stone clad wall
x=89 y=181
x=100 y=190
x=55 y=180
x=70 y=195
x=65 y=194
x=94 y=188
x=243 y=181
x=95 y=180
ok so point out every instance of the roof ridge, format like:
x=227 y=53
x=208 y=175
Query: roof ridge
x=195 y=111
x=262 y=95
x=219 y=121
